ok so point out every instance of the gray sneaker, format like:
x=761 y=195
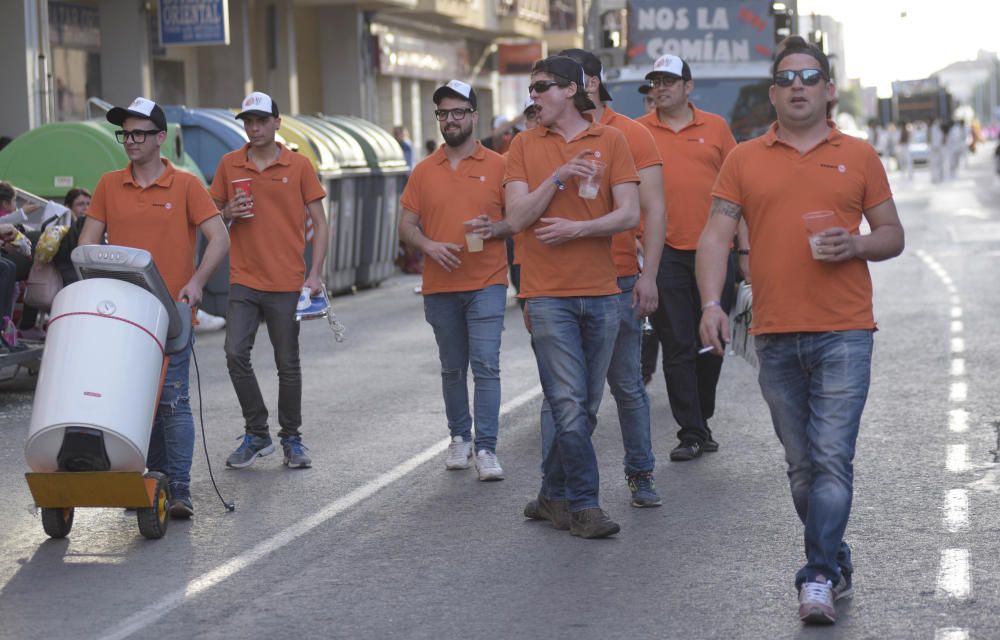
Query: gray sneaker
x=816 y=602
x=844 y=588
x=592 y=523
x=555 y=511
x=295 y=453
x=249 y=450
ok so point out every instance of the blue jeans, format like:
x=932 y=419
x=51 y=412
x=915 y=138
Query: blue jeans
x=171 y=444
x=625 y=380
x=815 y=385
x=467 y=326
x=573 y=339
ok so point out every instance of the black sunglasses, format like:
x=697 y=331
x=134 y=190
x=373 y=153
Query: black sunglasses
x=541 y=86
x=137 y=136
x=663 y=82
x=810 y=77
x=456 y=114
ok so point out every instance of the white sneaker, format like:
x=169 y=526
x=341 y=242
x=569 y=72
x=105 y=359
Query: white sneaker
x=208 y=322
x=488 y=466
x=459 y=454
x=816 y=602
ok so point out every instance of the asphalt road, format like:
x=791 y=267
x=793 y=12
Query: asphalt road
x=379 y=541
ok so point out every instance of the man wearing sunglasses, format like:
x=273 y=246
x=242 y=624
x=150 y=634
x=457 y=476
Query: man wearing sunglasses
x=693 y=144
x=638 y=295
x=568 y=277
x=153 y=206
x=812 y=303
x=465 y=290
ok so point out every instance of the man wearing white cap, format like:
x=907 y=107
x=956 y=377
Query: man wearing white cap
x=696 y=143
x=465 y=282
x=267 y=272
x=153 y=206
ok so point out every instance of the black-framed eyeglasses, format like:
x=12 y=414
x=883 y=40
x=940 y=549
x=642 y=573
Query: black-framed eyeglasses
x=663 y=82
x=541 y=86
x=809 y=77
x=137 y=136
x=456 y=114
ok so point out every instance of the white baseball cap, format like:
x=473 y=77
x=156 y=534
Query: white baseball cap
x=670 y=65
x=258 y=104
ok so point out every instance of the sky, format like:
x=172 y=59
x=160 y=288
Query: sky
x=881 y=46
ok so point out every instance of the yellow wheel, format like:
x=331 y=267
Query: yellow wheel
x=153 y=520
x=57 y=522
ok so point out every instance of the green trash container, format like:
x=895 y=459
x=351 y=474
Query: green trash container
x=54 y=158
x=347 y=199
x=379 y=229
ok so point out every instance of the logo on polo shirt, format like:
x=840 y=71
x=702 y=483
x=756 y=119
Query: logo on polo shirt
x=842 y=168
x=698 y=140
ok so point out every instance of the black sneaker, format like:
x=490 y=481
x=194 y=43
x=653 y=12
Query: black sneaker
x=710 y=446
x=251 y=448
x=686 y=451
x=592 y=523
x=555 y=511
x=179 y=506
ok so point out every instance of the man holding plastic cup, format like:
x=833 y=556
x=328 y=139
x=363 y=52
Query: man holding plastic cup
x=569 y=278
x=812 y=316
x=265 y=191
x=465 y=279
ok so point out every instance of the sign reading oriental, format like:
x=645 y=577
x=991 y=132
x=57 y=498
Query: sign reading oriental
x=723 y=31
x=193 y=22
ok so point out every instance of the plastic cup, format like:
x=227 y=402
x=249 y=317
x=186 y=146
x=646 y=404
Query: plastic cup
x=590 y=185
x=243 y=184
x=817 y=222
x=473 y=241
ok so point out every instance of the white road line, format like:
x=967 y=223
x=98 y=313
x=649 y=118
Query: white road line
x=957 y=460
x=959 y=391
x=155 y=611
x=958 y=367
x=951 y=633
x=958 y=420
x=955 y=300
x=957 y=345
x=953 y=577
x=956 y=510
x=956 y=312
x=957 y=326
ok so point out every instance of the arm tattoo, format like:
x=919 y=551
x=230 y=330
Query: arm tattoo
x=726 y=208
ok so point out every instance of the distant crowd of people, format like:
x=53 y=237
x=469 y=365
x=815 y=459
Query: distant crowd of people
x=943 y=144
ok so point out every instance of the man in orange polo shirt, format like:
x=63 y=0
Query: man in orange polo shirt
x=693 y=144
x=153 y=206
x=267 y=273
x=638 y=296
x=812 y=298
x=568 y=277
x=464 y=285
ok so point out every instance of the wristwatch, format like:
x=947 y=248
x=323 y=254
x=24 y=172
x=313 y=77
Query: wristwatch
x=559 y=183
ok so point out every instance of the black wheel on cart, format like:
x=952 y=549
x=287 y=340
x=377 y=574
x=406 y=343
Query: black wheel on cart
x=57 y=522
x=153 y=520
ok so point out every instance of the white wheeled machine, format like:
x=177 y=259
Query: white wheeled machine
x=108 y=344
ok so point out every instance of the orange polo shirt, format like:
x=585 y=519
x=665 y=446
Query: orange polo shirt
x=775 y=185
x=444 y=198
x=160 y=218
x=266 y=251
x=581 y=267
x=692 y=158
x=644 y=153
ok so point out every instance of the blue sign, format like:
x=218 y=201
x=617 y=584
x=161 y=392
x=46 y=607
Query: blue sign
x=194 y=22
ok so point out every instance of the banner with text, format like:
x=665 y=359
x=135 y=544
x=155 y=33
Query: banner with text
x=722 y=31
x=194 y=22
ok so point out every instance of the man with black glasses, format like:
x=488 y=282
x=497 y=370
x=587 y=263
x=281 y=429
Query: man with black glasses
x=153 y=206
x=803 y=189
x=465 y=279
x=693 y=144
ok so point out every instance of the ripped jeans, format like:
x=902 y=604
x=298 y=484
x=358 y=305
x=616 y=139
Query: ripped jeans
x=171 y=445
x=467 y=326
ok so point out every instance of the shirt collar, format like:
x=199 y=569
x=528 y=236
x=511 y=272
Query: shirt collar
x=284 y=156
x=697 y=119
x=593 y=129
x=165 y=180
x=835 y=137
x=478 y=153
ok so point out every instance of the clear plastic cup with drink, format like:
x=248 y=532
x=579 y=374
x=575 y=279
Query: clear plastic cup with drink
x=473 y=241
x=243 y=186
x=816 y=222
x=590 y=185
